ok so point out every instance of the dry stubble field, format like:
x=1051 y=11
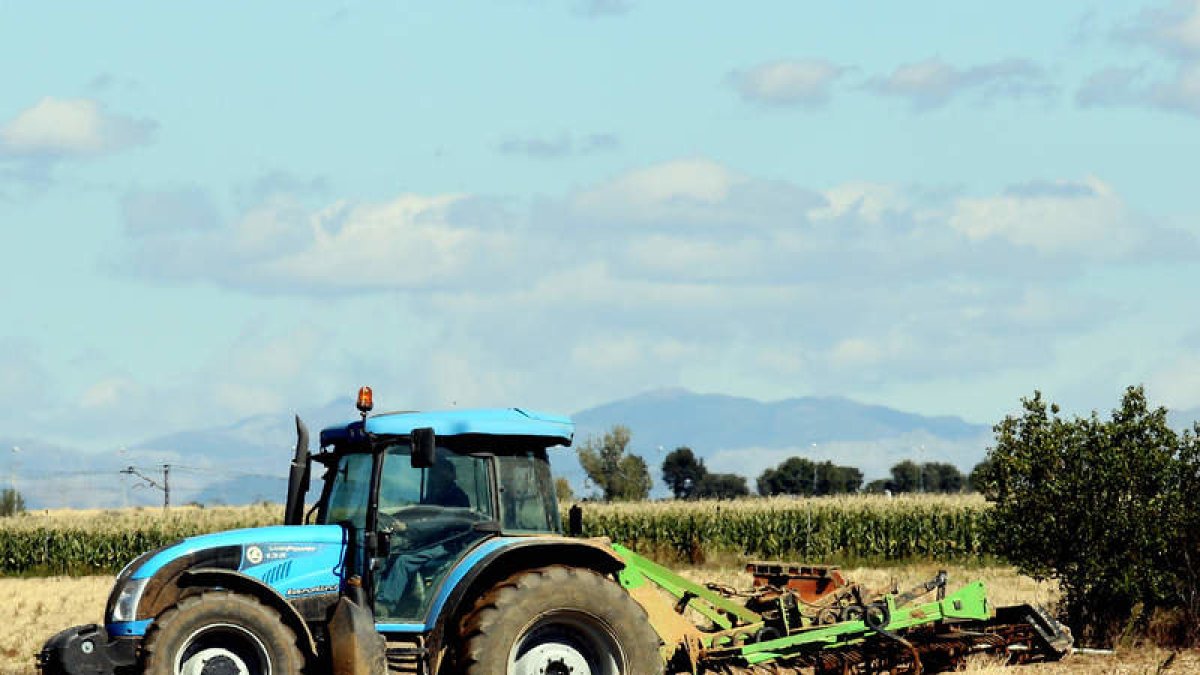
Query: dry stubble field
x=37 y=608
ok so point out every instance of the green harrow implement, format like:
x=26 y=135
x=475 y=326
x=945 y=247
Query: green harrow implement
x=810 y=619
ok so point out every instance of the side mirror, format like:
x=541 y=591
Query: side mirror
x=424 y=446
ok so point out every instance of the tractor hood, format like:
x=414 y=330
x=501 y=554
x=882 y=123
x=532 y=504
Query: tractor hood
x=298 y=563
x=248 y=549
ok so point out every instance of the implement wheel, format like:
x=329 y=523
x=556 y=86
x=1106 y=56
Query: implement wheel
x=221 y=633
x=559 y=621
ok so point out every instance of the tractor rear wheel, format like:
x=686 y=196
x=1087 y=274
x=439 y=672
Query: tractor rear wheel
x=558 y=621
x=221 y=633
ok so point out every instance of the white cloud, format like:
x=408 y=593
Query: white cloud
x=857 y=352
x=71 y=127
x=1115 y=87
x=1172 y=28
x=870 y=201
x=723 y=277
x=692 y=194
x=1184 y=32
x=109 y=393
x=672 y=186
x=787 y=82
x=1181 y=94
x=410 y=241
x=682 y=222
x=933 y=83
x=1087 y=219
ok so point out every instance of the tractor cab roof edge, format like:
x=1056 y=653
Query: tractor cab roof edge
x=535 y=427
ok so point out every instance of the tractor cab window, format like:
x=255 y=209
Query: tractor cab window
x=348 y=494
x=454 y=481
x=527 y=500
x=431 y=517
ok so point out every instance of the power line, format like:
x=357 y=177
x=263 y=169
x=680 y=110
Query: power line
x=165 y=486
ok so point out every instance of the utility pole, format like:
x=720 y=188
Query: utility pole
x=921 y=470
x=12 y=469
x=165 y=485
x=814 y=463
x=809 y=506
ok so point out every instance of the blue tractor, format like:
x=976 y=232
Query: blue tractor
x=433 y=546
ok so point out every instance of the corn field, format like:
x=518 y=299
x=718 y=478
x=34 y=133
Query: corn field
x=851 y=529
x=845 y=530
x=100 y=541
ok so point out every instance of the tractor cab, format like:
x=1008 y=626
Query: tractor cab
x=418 y=491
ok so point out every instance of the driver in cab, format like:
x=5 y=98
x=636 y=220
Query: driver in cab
x=401 y=589
x=443 y=489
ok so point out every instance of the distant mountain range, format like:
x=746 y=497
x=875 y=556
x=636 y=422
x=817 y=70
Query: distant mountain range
x=744 y=436
x=237 y=463
x=246 y=461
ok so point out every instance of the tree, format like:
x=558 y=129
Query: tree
x=906 y=477
x=800 y=476
x=941 y=477
x=837 y=480
x=562 y=490
x=794 y=476
x=11 y=502
x=622 y=476
x=980 y=476
x=721 y=486
x=1104 y=506
x=682 y=472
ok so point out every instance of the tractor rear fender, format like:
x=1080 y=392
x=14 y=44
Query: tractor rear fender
x=522 y=554
x=210 y=577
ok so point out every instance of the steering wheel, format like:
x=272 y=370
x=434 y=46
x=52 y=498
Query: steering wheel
x=422 y=524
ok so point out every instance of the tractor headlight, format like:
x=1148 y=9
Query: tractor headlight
x=125 y=607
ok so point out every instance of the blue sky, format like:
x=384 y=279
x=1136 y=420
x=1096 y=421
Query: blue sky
x=209 y=213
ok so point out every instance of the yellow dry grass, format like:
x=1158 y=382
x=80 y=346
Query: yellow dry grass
x=35 y=609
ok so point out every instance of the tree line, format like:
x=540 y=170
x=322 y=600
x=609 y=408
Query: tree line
x=620 y=475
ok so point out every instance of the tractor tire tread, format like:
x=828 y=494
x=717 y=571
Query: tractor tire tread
x=509 y=601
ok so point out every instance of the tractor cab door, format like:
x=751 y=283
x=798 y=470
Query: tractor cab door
x=430 y=517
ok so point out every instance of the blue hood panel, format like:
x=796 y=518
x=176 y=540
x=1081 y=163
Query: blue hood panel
x=296 y=560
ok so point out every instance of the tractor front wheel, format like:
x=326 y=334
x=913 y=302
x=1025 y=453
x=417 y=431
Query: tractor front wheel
x=221 y=633
x=559 y=621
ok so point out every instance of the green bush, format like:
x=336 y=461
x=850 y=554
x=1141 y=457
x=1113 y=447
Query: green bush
x=1104 y=506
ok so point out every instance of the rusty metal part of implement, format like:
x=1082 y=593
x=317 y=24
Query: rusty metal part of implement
x=810 y=582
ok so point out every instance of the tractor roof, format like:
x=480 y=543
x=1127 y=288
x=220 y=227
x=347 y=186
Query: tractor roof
x=508 y=422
